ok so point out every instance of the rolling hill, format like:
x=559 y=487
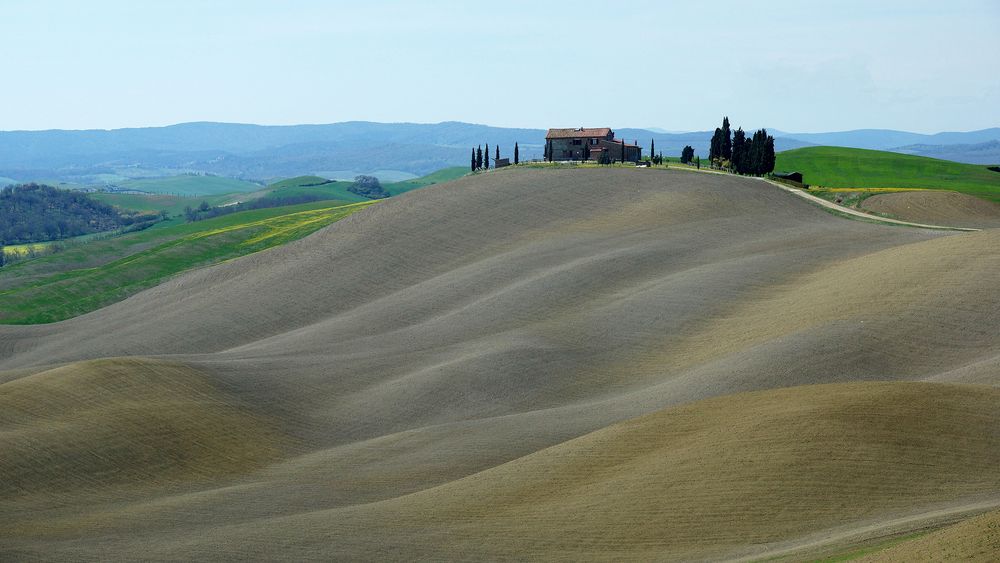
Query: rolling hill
x=524 y=364
x=189 y=185
x=836 y=167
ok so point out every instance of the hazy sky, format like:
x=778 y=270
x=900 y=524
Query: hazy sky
x=797 y=66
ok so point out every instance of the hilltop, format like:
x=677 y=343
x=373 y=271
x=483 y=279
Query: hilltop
x=672 y=365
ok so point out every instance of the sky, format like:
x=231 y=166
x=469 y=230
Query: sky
x=795 y=66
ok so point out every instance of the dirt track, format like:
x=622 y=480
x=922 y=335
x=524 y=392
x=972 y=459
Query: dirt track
x=452 y=330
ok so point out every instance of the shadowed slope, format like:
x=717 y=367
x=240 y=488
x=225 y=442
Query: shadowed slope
x=123 y=422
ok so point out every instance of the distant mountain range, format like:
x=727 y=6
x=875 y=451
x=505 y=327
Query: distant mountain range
x=978 y=153
x=395 y=151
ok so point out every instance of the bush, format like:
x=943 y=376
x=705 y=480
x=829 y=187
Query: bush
x=368 y=186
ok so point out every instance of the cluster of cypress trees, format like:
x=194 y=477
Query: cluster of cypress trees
x=739 y=154
x=753 y=156
x=478 y=162
x=481 y=162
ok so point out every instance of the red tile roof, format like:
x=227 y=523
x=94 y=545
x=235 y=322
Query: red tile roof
x=578 y=133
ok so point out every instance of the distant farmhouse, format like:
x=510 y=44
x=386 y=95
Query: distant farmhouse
x=588 y=144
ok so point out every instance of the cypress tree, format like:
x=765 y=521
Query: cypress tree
x=739 y=151
x=479 y=157
x=517 y=157
x=715 y=149
x=586 y=151
x=727 y=142
x=473 y=166
x=768 y=154
x=623 y=150
x=498 y=155
x=486 y=159
x=652 y=148
x=757 y=152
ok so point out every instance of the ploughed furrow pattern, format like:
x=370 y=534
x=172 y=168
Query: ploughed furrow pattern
x=527 y=363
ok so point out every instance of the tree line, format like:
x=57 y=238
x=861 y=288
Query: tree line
x=736 y=153
x=37 y=213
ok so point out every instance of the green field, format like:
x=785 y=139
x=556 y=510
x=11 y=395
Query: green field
x=312 y=185
x=837 y=167
x=190 y=185
x=291 y=187
x=337 y=189
x=69 y=283
x=439 y=177
x=172 y=204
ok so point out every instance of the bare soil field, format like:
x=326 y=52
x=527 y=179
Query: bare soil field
x=976 y=539
x=545 y=364
x=937 y=207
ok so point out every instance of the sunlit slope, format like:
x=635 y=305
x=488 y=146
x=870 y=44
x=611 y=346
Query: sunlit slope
x=507 y=249
x=464 y=345
x=724 y=477
x=706 y=479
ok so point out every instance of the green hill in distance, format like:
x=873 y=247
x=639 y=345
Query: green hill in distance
x=91 y=275
x=193 y=190
x=172 y=204
x=311 y=186
x=838 y=167
x=190 y=185
x=441 y=176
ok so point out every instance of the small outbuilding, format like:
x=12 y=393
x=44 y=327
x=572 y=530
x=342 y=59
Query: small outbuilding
x=502 y=162
x=790 y=176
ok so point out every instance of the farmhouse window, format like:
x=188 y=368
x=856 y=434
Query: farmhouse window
x=576 y=141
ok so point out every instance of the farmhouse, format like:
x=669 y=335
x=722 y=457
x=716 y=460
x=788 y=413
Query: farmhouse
x=588 y=144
